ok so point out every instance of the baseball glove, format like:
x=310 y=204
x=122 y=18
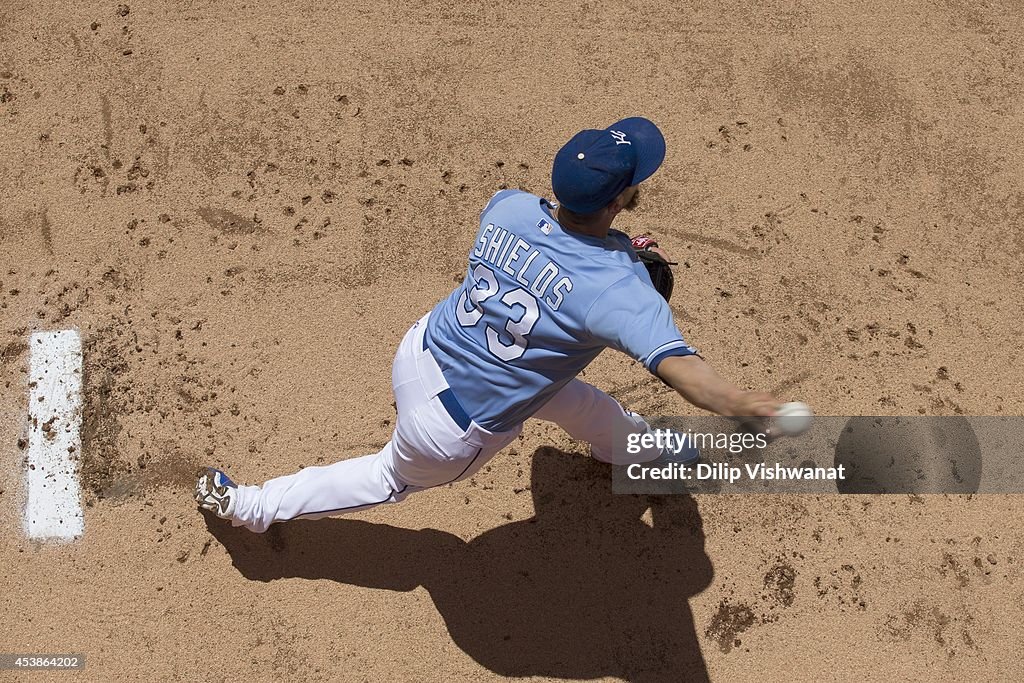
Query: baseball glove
x=658 y=268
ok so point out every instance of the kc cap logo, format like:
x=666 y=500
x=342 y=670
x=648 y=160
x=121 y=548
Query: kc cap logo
x=620 y=137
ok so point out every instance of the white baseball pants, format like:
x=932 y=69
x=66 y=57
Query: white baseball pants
x=428 y=447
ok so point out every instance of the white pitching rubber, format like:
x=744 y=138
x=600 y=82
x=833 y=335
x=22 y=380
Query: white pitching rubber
x=54 y=509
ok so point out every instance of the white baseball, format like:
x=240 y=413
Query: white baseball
x=794 y=418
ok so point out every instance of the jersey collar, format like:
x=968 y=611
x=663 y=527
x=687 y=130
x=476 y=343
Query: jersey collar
x=549 y=209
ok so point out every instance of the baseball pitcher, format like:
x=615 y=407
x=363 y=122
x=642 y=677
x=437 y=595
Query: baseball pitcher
x=548 y=287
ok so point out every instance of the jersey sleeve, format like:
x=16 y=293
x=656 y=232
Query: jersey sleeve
x=630 y=316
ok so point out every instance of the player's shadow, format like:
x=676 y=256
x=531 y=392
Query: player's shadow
x=585 y=589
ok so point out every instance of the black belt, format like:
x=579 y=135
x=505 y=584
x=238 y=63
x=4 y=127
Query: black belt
x=450 y=403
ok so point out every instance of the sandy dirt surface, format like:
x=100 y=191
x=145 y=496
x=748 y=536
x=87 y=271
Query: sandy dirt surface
x=242 y=207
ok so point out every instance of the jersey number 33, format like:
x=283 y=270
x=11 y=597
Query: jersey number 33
x=517 y=328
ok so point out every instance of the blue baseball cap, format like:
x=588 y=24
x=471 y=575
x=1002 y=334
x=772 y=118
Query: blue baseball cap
x=595 y=166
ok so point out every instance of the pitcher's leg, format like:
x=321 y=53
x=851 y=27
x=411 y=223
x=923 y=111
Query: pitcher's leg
x=316 y=492
x=424 y=451
x=590 y=415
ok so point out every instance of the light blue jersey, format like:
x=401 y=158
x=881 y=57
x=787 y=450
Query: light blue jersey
x=538 y=304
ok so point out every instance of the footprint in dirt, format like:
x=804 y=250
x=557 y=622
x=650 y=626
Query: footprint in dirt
x=228 y=222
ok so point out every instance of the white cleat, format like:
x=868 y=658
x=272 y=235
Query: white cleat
x=216 y=492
